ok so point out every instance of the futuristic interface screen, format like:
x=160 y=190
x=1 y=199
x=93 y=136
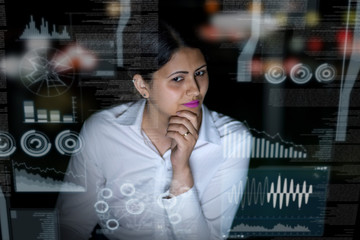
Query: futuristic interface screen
x=288 y=69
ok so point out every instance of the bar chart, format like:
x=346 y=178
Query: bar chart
x=41 y=115
x=260 y=145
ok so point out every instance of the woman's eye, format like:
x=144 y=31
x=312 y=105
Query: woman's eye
x=177 y=79
x=199 y=73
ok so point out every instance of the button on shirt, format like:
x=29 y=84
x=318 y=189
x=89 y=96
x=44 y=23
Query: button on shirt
x=127 y=181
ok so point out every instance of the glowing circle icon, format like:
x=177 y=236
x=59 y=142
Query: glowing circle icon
x=35 y=143
x=300 y=73
x=325 y=73
x=7 y=144
x=275 y=75
x=106 y=193
x=127 y=189
x=135 y=207
x=175 y=218
x=68 y=142
x=101 y=206
x=112 y=224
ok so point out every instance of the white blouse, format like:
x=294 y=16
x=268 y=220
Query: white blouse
x=127 y=179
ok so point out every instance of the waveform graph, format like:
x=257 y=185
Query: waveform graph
x=29 y=178
x=281 y=201
x=43 y=74
x=282 y=193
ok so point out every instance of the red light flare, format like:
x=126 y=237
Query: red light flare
x=256 y=67
x=344 y=41
x=209 y=33
x=289 y=63
x=315 y=44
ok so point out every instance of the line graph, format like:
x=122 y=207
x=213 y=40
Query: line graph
x=38 y=179
x=276 y=136
x=261 y=145
x=276 y=228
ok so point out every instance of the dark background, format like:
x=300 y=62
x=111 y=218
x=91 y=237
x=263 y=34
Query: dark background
x=248 y=102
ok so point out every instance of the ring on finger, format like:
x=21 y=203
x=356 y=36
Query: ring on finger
x=185 y=134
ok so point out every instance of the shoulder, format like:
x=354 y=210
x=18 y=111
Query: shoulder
x=108 y=115
x=236 y=138
x=106 y=119
x=227 y=125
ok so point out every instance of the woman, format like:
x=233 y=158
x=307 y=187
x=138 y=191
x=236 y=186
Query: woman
x=160 y=167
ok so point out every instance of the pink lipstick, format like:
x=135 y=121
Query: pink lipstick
x=192 y=104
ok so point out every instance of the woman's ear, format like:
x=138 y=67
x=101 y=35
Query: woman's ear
x=141 y=86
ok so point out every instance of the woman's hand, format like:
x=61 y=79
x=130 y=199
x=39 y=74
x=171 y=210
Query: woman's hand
x=183 y=130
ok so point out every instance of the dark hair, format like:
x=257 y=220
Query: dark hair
x=151 y=47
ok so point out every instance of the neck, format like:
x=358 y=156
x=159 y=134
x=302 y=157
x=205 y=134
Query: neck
x=154 y=121
x=155 y=126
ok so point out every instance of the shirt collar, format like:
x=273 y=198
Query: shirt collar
x=208 y=131
x=133 y=117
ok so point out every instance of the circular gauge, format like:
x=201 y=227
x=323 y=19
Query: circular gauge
x=46 y=72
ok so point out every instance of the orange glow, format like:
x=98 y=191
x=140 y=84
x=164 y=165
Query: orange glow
x=209 y=33
x=212 y=6
x=113 y=9
x=270 y=63
x=255 y=7
x=256 y=67
x=76 y=57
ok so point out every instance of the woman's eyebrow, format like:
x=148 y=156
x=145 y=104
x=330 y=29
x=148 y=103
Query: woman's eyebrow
x=201 y=67
x=186 y=72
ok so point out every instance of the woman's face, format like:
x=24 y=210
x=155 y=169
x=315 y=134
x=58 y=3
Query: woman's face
x=181 y=84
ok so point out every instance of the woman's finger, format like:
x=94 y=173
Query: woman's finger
x=177 y=127
x=182 y=125
x=180 y=139
x=192 y=117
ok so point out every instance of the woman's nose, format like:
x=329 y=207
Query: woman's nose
x=193 y=87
